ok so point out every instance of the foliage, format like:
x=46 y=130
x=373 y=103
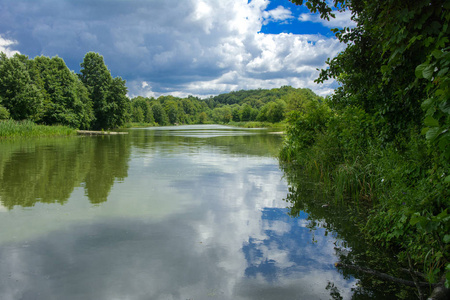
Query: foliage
x=13 y=129
x=4 y=113
x=65 y=99
x=108 y=95
x=265 y=106
x=305 y=126
x=18 y=92
x=159 y=114
x=386 y=141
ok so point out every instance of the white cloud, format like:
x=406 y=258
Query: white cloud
x=278 y=14
x=5 y=46
x=341 y=20
x=198 y=47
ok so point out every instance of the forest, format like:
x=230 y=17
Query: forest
x=43 y=90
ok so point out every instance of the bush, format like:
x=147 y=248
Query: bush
x=4 y=113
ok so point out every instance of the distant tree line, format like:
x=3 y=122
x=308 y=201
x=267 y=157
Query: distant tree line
x=241 y=106
x=45 y=91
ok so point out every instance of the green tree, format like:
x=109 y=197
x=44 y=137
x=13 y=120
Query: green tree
x=171 y=108
x=235 y=113
x=108 y=95
x=142 y=111
x=18 y=92
x=203 y=118
x=246 y=112
x=394 y=74
x=159 y=114
x=275 y=111
x=222 y=114
x=66 y=100
x=97 y=78
x=117 y=104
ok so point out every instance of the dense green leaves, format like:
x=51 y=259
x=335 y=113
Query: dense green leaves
x=19 y=93
x=387 y=140
x=66 y=99
x=108 y=95
x=270 y=106
x=44 y=90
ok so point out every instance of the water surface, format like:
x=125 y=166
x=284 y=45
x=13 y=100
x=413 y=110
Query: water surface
x=186 y=212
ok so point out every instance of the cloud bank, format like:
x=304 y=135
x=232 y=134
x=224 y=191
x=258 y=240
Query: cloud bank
x=198 y=47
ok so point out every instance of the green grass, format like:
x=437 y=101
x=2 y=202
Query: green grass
x=19 y=129
x=255 y=124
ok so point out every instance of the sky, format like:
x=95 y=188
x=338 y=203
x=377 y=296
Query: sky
x=179 y=47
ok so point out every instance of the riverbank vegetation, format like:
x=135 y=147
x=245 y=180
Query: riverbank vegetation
x=249 y=108
x=382 y=141
x=13 y=129
x=44 y=91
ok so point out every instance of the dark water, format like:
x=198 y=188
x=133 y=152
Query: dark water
x=188 y=212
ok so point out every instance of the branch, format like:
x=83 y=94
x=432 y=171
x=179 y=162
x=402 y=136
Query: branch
x=385 y=276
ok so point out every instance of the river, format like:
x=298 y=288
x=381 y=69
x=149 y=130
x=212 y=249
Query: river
x=185 y=212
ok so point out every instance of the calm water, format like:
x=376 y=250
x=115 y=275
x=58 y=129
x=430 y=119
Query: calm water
x=187 y=212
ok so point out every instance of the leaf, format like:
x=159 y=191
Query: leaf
x=428 y=72
x=420 y=68
x=445 y=107
x=426 y=104
x=437 y=53
x=447 y=179
x=432 y=133
x=442 y=72
x=416 y=218
x=447 y=238
x=431 y=122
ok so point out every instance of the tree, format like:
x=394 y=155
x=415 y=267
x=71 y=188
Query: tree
x=202 y=118
x=235 y=113
x=142 y=107
x=222 y=114
x=108 y=95
x=275 y=111
x=19 y=94
x=377 y=69
x=246 y=112
x=66 y=99
x=97 y=78
x=159 y=114
x=171 y=108
x=117 y=104
x=395 y=70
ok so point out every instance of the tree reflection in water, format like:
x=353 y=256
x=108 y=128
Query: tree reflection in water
x=48 y=170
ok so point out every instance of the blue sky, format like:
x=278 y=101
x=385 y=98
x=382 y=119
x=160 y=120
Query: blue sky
x=179 y=47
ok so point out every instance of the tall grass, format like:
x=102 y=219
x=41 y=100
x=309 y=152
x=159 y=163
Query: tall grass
x=256 y=124
x=18 y=129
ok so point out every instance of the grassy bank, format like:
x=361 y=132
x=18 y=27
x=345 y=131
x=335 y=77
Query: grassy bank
x=20 y=129
x=254 y=124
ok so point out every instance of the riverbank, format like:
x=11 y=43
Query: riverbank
x=279 y=127
x=398 y=188
x=21 y=129
x=91 y=132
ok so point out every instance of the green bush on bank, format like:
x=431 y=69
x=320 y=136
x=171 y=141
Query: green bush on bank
x=13 y=129
x=399 y=182
x=4 y=113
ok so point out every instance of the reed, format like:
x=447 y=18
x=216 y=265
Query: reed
x=26 y=128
